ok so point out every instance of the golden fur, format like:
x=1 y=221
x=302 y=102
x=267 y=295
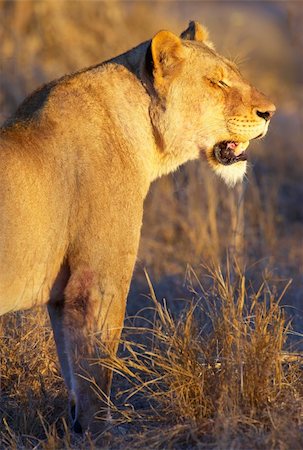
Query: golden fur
x=77 y=160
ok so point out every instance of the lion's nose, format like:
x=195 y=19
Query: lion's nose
x=266 y=115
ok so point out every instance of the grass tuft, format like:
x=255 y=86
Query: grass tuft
x=225 y=381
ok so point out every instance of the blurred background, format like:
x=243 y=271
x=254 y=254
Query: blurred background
x=191 y=217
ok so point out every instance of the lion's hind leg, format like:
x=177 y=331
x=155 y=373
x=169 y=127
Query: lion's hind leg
x=56 y=314
x=55 y=308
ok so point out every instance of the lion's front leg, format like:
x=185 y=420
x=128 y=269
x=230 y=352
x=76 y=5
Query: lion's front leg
x=93 y=319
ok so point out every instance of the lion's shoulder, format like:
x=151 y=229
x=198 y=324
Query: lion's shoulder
x=83 y=80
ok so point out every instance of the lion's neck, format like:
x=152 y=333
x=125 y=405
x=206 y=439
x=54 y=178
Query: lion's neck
x=163 y=151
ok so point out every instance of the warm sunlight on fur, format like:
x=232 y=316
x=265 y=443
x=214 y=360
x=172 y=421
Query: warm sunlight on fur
x=77 y=161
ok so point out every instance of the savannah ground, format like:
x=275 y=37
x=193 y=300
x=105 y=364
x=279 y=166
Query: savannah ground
x=202 y=363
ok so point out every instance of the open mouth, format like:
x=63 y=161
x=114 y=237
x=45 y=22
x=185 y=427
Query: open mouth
x=230 y=152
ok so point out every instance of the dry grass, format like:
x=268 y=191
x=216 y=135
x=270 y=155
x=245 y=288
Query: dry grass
x=220 y=384
x=212 y=376
x=215 y=377
x=30 y=382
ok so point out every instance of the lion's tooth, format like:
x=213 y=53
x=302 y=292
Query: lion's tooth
x=241 y=147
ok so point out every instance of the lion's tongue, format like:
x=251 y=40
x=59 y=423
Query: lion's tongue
x=237 y=147
x=233 y=147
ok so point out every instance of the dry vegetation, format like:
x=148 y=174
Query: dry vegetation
x=224 y=384
x=207 y=371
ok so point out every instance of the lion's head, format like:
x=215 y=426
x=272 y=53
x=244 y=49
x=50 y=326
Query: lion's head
x=201 y=103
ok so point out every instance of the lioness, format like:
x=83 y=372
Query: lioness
x=77 y=160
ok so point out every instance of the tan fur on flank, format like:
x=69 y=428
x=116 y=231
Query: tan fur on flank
x=77 y=160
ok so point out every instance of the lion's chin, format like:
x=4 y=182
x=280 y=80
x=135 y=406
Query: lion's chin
x=231 y=174
x=228 y=160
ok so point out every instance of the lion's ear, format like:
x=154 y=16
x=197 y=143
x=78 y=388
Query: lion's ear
x=164 y=58
x=196 y=32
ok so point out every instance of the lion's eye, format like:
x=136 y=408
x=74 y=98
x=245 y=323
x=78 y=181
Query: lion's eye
x=222 y=83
